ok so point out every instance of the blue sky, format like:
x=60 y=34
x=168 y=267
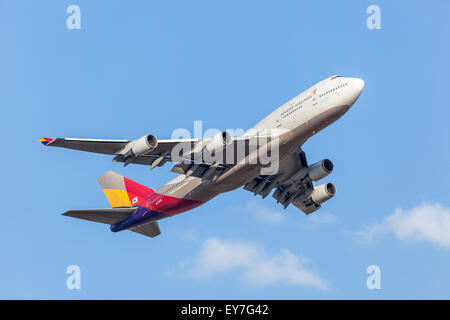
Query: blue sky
x=138 y=68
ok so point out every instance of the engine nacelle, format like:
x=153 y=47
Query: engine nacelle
x=218 y=142
x=323 y=193
x=320 y=170
x=143 y=145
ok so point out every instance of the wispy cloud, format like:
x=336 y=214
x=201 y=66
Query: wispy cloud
x=424 y=223
x=255 y=265
x=260 y=211
x=322 y=218
x=189 y=235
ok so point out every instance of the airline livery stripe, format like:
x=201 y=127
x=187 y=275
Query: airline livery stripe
x=117 y=198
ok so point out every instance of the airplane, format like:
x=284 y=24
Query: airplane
x=138 y=208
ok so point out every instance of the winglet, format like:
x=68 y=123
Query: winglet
x=45 y=141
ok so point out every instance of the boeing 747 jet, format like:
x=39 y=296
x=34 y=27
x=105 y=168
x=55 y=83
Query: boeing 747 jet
x=208 y=167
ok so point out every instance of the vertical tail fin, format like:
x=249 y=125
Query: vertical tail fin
x=121 y=191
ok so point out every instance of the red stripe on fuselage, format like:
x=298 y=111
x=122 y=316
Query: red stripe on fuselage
x=168 y=204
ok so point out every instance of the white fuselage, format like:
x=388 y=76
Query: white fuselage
x=297 y=120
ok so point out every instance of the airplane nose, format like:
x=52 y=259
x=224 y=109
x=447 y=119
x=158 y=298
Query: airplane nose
x=358 y=83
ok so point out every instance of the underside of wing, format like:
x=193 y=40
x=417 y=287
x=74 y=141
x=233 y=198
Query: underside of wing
x=89 y=145
x=294 y=183
x=148 y=150
x=150 y=229
x=187 y=151
x=108 y=216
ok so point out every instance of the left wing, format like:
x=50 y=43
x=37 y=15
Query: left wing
x=294 y=183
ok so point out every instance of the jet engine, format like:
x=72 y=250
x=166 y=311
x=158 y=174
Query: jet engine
x=143 y=145
x=323 y=193
x=218 y=142
x=320 y=170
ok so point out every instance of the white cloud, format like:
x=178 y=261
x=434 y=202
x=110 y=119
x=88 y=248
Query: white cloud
x=426 y=222
x=257 y=267
x=189 y=235
x=260 y=211
x=264 y=213
x=321 y=218
x=367 y=234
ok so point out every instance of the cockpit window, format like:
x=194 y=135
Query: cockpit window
x=334 y=77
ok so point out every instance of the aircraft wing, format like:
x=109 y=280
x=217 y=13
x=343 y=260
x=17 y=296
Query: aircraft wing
x=89 y=145
x=154 y=157
x=146 y=150
x=107 y=146
x=294 y=183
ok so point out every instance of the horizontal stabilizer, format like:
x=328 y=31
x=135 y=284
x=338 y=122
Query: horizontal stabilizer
x=150 y=229
x=108 y=216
